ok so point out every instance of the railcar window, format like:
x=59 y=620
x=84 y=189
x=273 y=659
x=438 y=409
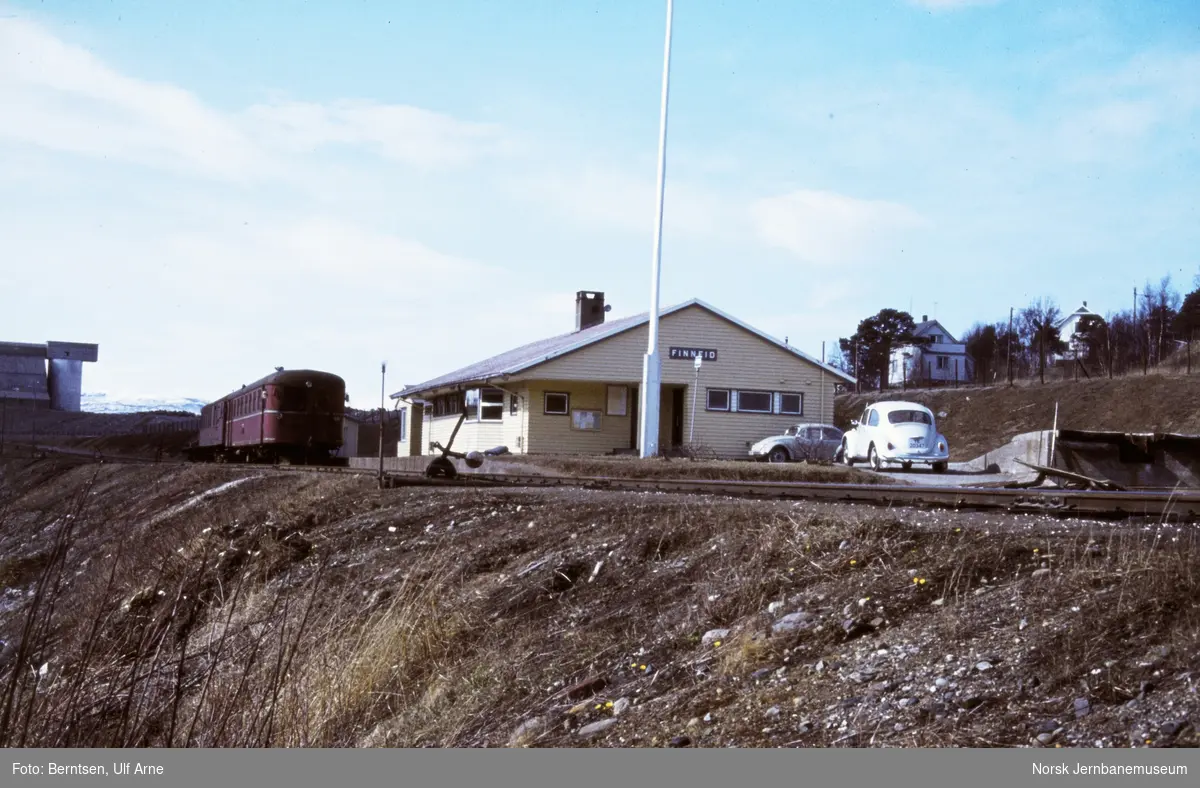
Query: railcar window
x=294 y=399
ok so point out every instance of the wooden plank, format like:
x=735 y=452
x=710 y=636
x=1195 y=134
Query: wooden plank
x=1103 y=484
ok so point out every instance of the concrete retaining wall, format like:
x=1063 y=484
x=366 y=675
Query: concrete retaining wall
x=1032 y=447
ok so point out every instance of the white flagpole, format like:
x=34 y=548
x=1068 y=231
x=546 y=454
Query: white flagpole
x=652 y=365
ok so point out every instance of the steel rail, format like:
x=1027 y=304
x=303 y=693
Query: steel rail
x=1182 y=505
x=1175 y=505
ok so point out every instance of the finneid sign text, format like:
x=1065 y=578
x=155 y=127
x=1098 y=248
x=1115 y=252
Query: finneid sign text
x=708 y=354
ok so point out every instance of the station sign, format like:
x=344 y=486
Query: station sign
x=708 y=354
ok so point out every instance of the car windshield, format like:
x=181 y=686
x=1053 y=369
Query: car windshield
x=791 y=431
x=909 y=416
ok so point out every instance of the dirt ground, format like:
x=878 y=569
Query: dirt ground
x=663 y=468
x=209 y=606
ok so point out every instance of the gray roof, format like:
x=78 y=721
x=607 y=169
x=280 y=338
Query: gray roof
x=920 y=328
x=526 y=356
x=1080 y=312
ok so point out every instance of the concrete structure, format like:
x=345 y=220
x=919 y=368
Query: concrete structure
x=577 y=393
x=944 y=361
x=44 y=376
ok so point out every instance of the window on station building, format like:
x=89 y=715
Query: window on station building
x=718 y=399
x=754 y=402
x=557 y=403
x=485 y=404
x=791 y=404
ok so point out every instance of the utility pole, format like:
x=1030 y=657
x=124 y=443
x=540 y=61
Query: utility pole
x=382 y=416
x=651 y=393
x=857 y=367
x=822 y=416
x=1008 y=361
x=1137 y=335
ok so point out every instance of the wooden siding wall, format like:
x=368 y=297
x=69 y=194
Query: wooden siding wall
x=423 y=429
x=744 y=361
x=554 y=434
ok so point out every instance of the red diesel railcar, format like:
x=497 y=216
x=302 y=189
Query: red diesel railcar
x=292 y=417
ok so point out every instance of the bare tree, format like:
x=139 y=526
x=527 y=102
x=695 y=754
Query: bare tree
x=1159 y=308
x=1039 y=329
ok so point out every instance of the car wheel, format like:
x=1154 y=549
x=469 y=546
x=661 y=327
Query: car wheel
x=873 y=459
x=778 y=454
x=939 y=467
x=846 y=458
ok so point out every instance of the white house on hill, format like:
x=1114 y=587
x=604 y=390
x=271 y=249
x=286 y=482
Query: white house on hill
x=944 y=360
x=1067 y=326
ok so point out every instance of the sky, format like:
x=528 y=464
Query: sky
x=212 y=189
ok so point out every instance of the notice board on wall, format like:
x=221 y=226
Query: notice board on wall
x=585 y=419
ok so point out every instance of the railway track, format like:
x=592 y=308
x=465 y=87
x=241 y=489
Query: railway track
x=1177 y=506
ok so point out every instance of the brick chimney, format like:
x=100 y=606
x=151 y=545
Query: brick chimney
x=589 y=309
x=1085 y=304
x=924 y=318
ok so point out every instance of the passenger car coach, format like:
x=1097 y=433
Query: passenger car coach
x=291 y=417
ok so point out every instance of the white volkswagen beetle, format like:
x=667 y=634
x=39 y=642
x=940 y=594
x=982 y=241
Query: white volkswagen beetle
x=896 y=432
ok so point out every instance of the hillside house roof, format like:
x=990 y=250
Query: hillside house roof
x=926 y=327
x=1080 y=312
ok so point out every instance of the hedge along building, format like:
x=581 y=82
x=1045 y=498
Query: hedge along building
x=577 y=393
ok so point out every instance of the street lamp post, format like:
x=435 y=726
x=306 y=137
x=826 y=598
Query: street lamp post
x=651 y=392
x=382 y=415
x=695 y=388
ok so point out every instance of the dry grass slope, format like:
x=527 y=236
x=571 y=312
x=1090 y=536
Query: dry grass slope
x=299 y=611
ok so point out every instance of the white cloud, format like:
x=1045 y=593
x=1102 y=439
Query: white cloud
x=823 y=228
x=62 y=97
x=406 y=134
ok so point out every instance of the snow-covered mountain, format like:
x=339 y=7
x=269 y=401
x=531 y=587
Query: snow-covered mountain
x=102 y=403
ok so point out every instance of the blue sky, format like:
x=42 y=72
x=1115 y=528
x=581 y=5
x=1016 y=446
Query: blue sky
x=212 y=189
